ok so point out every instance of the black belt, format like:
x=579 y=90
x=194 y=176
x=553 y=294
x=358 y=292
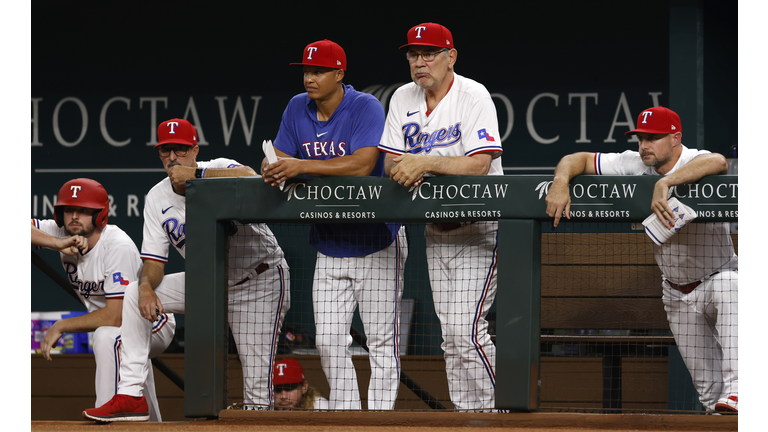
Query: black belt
x=688 y=288
x=261 y=268
x=448 y=226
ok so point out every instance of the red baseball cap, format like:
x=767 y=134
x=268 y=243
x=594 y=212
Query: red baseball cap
x=287 y=371
x=324 y=53
x=429 y=34
x=176 y=131
x=657 y=120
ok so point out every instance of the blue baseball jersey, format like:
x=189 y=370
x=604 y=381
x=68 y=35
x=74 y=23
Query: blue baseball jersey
x=358 y=122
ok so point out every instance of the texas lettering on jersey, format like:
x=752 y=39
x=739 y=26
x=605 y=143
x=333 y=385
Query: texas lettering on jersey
x=418 y=141
x=322 y=149
x=85 y=288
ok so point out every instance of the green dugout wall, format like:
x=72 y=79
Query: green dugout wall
x=516 y=201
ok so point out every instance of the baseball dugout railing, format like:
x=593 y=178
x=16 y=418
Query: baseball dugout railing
x=517 y=202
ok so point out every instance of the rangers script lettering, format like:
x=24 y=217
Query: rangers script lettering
x=176 y=232
x=418 y=141
x=85 y=288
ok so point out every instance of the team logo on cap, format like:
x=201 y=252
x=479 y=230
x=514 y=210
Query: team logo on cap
x=419 y=30
x=173 y=125
x=311 y=51
x=281 y=369
x=75 y=190
x=647 y=114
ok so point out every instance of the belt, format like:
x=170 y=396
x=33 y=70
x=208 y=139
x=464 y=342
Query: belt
x=261 y=268
x=449 y=226
x=688 y=288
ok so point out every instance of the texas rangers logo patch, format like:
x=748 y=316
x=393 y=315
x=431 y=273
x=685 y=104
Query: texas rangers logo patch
x=483 y=134
x=118 y=278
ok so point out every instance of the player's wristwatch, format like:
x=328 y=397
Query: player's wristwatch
x=198 y=173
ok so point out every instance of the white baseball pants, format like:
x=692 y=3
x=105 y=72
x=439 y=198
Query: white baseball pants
x=375 y=283
x=462 y=272
x=256 y=311
x=706 y=329
x=107 y=351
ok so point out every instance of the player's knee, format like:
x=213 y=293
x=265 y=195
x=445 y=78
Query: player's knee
x=327 y=343
x=131 y=293
x=105 y=337
x=457 y=331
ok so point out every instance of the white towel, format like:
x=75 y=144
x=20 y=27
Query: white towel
x=659 y=231
x=269 y=152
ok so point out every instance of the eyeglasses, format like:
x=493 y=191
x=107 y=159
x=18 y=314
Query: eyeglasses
x=180 y=152
x=427 y=56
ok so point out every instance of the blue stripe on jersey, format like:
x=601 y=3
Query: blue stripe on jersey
x=598 y=168
x=154 y=257
x=483 y=149
x=390 y=150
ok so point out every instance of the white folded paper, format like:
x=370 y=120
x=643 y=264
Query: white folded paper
x=269 y=152
x=659 y=231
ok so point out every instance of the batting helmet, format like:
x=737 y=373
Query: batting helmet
x=86 y=193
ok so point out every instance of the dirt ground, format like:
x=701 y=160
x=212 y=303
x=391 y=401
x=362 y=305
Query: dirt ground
x=412 y=422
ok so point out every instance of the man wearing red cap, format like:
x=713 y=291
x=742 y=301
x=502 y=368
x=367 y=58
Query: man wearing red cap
x=698 y=264
x=257 y=277
x=334 y=130
x=445 y=124
x=292 y=390
x=100 y=260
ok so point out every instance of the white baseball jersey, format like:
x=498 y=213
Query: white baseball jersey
x=699 y=249
x=102 y=272
x=463 y=279
x=464 y=123
x=704 y=321
x=165 y=221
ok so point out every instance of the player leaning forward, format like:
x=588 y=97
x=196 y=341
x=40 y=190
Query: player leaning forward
x=698 y=264
x=258 y=293
x=100 y=260
x=445 y=124
x=334 y=130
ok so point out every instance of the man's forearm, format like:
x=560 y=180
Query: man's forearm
x=461 y=165
x=152 y=273
x=389 y=163
x=88 y=322
x=696 y=169
x=571 y=166
x=241 y=171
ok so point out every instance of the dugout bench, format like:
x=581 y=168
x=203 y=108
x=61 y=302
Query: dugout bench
x=524 y=304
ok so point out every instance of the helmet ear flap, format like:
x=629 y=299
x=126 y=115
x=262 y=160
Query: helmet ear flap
x=58 y=216
x=100 y=217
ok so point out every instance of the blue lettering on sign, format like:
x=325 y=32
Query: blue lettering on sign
x=85 y=288
x=175 y=232
x=417 y=141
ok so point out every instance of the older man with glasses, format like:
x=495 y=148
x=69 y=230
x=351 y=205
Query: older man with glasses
x=445 y=124
x=257 y=279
